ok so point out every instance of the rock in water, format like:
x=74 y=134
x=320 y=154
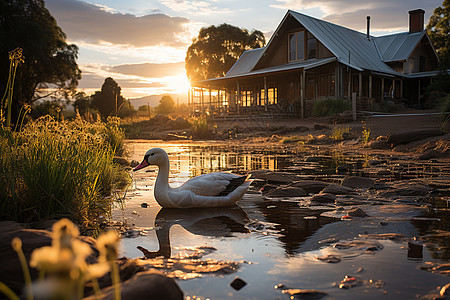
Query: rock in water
x=145 y=285
x=358 y=182
x=238 y=284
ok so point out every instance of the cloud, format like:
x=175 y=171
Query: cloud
x=86 y=22
x=196 y=7
x=385 y=14
x=150 y=70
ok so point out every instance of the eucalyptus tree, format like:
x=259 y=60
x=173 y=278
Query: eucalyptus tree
x=50 y=62
x=216 y=48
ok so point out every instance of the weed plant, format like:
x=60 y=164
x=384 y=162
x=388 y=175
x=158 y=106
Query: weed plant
x=329 y=107
x=200 y=128
x=338 y=133
x=54 y=169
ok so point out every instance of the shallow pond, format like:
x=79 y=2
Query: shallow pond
x=277 y=245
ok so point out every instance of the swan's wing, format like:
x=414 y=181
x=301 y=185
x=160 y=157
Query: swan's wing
x=213 y=184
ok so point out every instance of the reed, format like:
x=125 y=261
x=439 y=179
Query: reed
x=56 y=169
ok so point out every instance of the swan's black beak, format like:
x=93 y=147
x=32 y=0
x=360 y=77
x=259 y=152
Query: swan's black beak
x=143 y=164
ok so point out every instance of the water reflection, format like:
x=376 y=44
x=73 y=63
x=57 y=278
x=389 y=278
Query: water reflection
x=216 y=222
x=294 y=224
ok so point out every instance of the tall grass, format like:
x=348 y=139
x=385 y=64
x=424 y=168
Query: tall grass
x=200 y=128
x=53 y=169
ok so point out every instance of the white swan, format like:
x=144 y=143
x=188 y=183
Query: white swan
x=207 y=190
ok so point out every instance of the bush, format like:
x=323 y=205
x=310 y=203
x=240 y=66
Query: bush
x=329 y=107
x=59 y=169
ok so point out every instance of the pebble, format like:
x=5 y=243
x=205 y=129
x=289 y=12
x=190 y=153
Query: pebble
x=238 y=283
x=144 y=205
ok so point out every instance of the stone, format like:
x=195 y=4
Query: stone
x=310 y=186
x=341 y=169
x=283 y=191
x=358 y=182
x=150 y=284
x=268 y=187
x=321 y=127
x=445 y=290
x=338 y=190
x=330 y=259
x=415 y=249
x=304 y=294
x=427 y=155
x=323 y=198
x=144 y=205
x=407 y=189
x=238 y=283
x=11 y=272
x=275 y=177
x=357 y=212
x=379 y=144
x=405 y=137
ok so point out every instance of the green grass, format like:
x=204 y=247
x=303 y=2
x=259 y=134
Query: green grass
x=329 y=107
x=53 y=169
x=338 y=133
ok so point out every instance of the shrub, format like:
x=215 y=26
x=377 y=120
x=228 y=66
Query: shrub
x=58 y=169
x=329 y=107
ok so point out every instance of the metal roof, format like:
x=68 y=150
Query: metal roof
x=246 y=62
x=305 y=64
x=349 y=46
x=398 y=47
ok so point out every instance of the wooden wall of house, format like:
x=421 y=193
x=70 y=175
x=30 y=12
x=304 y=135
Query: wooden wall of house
x=277 y=52
x=422 y=59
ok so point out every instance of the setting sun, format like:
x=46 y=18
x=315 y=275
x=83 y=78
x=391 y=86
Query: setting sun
x=178 y=84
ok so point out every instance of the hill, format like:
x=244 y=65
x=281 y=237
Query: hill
x=153 y=100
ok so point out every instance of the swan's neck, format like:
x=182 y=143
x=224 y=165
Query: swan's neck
x=162 y=184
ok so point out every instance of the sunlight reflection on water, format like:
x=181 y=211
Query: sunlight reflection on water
x=281 y=239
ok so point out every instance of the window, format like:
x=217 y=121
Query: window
x=297 y=46
x=272 y=95
x=312 y=46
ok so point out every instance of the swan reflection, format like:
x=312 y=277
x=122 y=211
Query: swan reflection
x=217 y=222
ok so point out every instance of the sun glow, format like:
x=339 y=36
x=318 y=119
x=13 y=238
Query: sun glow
x=178 y=84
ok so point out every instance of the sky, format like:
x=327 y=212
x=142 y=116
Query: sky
x=142 y=44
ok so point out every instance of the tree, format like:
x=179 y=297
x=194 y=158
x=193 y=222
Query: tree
x=166 y=105
x=109 y=100
x=49 y=60
x=216 y=49
x=438 y=29
x=82 y=102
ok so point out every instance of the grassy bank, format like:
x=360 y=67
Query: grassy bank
x=53 y=169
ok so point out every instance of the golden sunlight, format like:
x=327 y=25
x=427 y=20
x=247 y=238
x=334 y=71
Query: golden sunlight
x=178 y=84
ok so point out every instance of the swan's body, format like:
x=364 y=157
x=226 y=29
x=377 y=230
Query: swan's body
x=207 y=190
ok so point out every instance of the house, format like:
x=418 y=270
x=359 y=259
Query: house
x=307 y=59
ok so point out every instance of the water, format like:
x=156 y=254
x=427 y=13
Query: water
x=277 y=242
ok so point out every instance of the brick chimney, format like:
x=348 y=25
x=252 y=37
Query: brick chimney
x=416 y=20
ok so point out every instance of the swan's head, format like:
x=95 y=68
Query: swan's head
x=154 y=156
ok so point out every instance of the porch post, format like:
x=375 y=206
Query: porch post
x=401 y=88
x=370 y=86
x=393 y=89
x=418 y=93
x=382 y=89
x=266 y=93
x=238 y=96
x=302 y=93
x=349 y=88
x=188 y=99
x=202 y=101
x=336 y=80
x=360 y=84
x=210 y=100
